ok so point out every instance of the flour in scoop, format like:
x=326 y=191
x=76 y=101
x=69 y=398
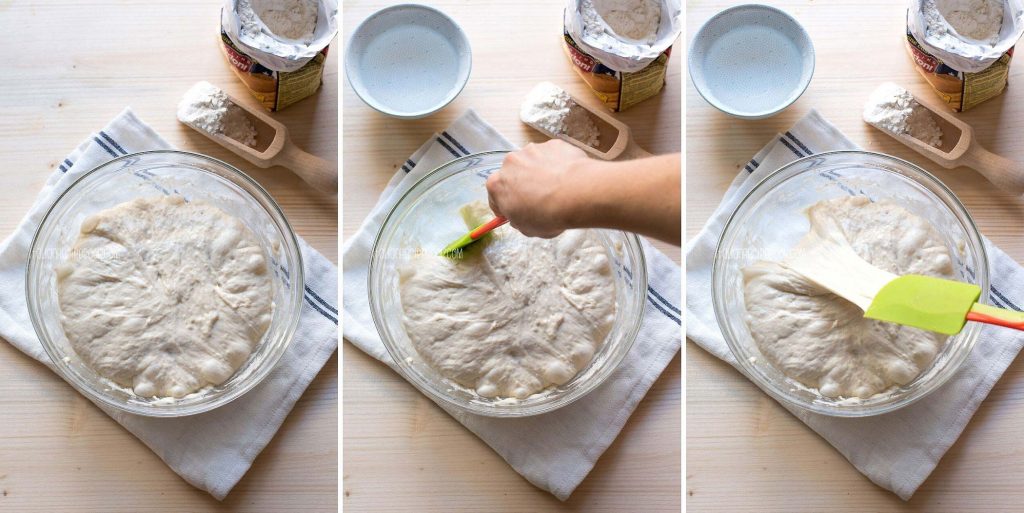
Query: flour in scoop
x=165 y=297
x=549 y=108
x=893 y=109
x=516 y=315
x=205 y=107
x=820 y=339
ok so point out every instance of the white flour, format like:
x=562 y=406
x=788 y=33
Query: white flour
x=205 y=107
x=979 y=20
x=291 y=19
x=549 y=108
x=893 y=109
x=631 y=19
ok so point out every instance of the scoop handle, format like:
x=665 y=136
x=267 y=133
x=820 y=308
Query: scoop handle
x=633 y=151
x=1001 y=171
x=315 y=171
x=997 y=316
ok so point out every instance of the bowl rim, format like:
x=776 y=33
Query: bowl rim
x=640 y=281
x=693 y=70
x=458 y=36
x=748 y=369
x=297 y=276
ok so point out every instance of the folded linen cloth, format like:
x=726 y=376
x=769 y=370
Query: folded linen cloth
x=554 y=451
x=897 y=450
x=213 y=450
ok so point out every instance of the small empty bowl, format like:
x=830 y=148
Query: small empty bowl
x=751 y=61
x=408 y=60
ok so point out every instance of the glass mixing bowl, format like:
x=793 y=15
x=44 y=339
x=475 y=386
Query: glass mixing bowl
x=148 y=174
x=427 y=218
x=770 y=220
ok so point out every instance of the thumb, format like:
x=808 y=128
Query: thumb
x=492 y=194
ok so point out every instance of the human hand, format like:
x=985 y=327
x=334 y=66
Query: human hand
x=533 y=187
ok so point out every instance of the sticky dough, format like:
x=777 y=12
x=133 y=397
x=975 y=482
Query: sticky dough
x=165 y=297
x=516 y=315
x=820 y=339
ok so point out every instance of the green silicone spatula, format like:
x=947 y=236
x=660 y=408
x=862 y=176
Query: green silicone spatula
x=935 y=304
x=925 y=302
x=473 y=215
x=474 y=235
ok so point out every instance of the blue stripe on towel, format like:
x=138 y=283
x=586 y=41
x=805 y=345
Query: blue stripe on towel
x=791 y=147
x=751 y=166
x=113 y=142
x=105 y=147
x=662 y=310
x=449 y=148
x=663 y=300
x=799 y=143
x=1004 y=298
x=316 y=307
x=456 y=143
x=325 y=304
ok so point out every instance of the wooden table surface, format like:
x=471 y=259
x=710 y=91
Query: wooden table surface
x=403 y=453
x=69 y=68
x=744 y=451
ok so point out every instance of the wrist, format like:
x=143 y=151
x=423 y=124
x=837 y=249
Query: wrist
x=579 y=197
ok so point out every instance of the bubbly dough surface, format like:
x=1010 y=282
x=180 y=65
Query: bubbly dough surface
x=824 y=341
x=515 y=315
x=165 y=297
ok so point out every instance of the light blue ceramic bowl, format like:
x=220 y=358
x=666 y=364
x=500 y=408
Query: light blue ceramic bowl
x=408 y=60
x=751 y=61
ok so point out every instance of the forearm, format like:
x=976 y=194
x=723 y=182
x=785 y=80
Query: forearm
x=641 y=196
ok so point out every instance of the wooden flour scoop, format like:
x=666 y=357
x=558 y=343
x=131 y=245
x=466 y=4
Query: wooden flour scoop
x=966 y=151
x=616 y=138
x=281 y=151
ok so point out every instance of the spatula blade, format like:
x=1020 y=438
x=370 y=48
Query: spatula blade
x=925 y=302
x=456 y=247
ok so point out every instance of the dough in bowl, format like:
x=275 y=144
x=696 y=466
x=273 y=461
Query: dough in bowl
x=515 y=314
x=164 y=296
x=822 y=340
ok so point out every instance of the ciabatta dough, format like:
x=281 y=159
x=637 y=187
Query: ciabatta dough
x=514 y=317
x=824 y=341
x=164 y=296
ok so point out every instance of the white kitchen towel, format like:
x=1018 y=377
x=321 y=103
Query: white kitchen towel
x=554 y=451
x=213 y=450
x=897 y=450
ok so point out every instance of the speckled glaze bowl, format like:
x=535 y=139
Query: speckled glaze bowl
x=408 y=60
x=426 y=218
x=770 y=220
x=148 y=174
x=751 y=61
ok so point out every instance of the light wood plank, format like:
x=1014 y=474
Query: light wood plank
x=744 y=451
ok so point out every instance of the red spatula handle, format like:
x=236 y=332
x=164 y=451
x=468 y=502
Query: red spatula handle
x=997 y=316
x=487 y=227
